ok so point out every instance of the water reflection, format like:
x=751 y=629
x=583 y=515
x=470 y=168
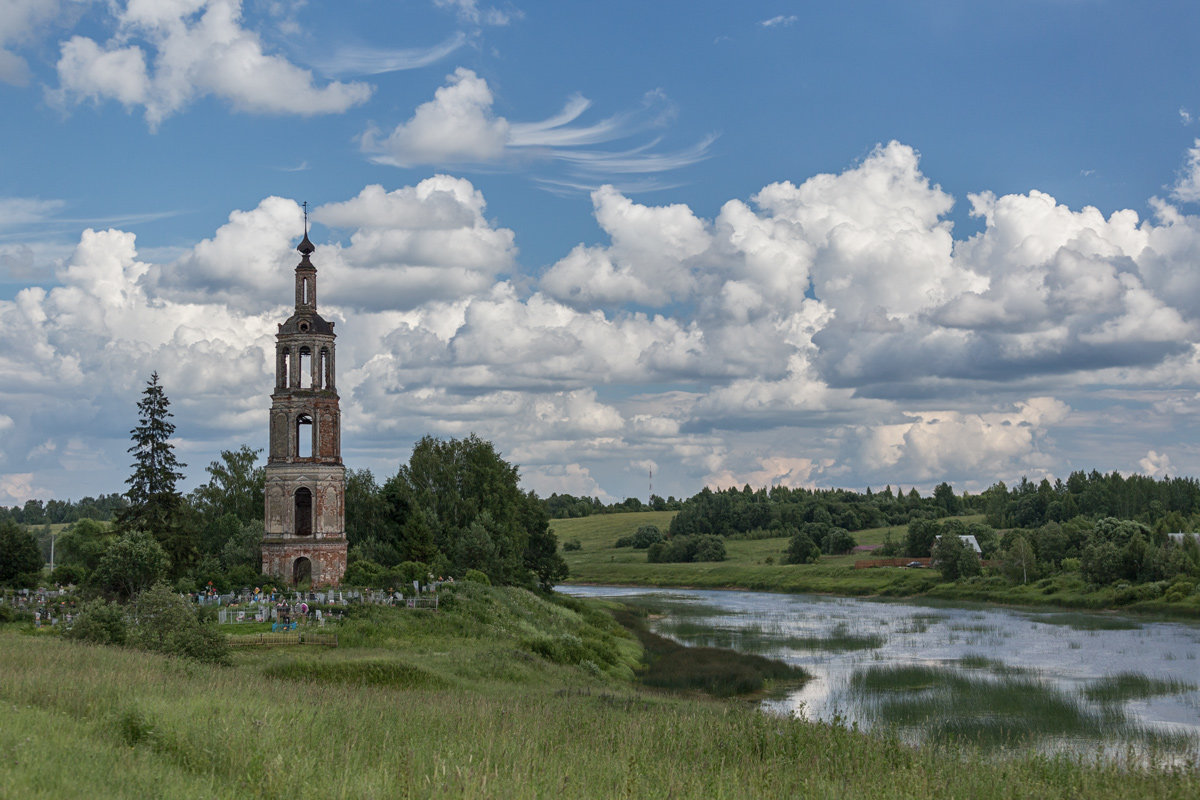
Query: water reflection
x=940 y=671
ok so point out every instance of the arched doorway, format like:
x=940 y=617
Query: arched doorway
x=304 y=524
x=301 y=571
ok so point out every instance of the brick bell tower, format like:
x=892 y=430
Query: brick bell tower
x=305 y=516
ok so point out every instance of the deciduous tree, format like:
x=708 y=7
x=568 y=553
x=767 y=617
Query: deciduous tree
x=235 y=486
x=20 y=559
x=1019 y=558
x=133 y=562
x=459 y=499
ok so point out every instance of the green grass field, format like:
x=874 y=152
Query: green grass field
x=748 y=565
x=500 y=694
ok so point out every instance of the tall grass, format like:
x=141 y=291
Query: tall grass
x=1088 y=622
x=840 y=639
x=975 y=661
x=81 y=721
x=947 y=704
x=720 y=672
x=1132 y=686
x=1004 y=706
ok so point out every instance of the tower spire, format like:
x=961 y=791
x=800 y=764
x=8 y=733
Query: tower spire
x=306 y=247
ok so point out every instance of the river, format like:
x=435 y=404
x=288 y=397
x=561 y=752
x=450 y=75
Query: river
x=1058 y=680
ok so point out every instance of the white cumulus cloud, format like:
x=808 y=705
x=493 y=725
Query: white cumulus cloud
x=1187 y=185
x=830 y=331
x=165 y=55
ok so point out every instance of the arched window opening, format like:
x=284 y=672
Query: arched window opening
x=304 y=291
x=304 y=436
x=283 y=368
x=305 y=368
x=301 y=571
x=303 y=512
x=326 y=370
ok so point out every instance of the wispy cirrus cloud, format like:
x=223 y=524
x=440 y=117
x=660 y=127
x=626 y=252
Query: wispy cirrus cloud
x=26 y=210
x=780 y=21
x=470 y=12
x=459 y=127
x=359 y=60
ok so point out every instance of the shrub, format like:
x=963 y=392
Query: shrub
x=801 y=550
x=572 y=544
x=131 y=564
x=363 y=572
x=476 y=576
x=838 y=541
x=684 y=549
x=710 y=548
x=164 y=622
x=642 y=539
x=68 y=575
x=1179 y=590
x=563 y=648
x=410 y=571
x=10 y=614
x=100 y=622
x=645 y=536
x=242 y=575
x=890 y=548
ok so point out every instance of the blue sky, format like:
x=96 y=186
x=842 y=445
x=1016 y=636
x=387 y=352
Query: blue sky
x=813 y=244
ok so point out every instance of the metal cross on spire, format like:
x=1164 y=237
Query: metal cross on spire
x=305 y=206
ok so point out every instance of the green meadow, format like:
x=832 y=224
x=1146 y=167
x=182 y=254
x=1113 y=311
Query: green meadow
x=756 y=564
x=500 y=693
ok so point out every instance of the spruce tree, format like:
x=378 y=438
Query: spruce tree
x=155 y=505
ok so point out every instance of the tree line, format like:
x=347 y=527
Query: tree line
x=1171 y=504
x=766 y=513
x=454 y=508
x=54 y=512
x=565 y=506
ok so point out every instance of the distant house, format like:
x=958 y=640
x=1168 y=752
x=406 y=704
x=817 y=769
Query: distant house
x=1178 y=538
x=967 y=539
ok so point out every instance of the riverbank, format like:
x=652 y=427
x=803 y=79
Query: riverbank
x=500 y=693
x=756 y=565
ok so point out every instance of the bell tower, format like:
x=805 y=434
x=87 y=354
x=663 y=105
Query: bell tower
x=305 y=515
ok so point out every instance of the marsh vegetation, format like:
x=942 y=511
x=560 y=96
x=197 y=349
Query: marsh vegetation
x=941 y=673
